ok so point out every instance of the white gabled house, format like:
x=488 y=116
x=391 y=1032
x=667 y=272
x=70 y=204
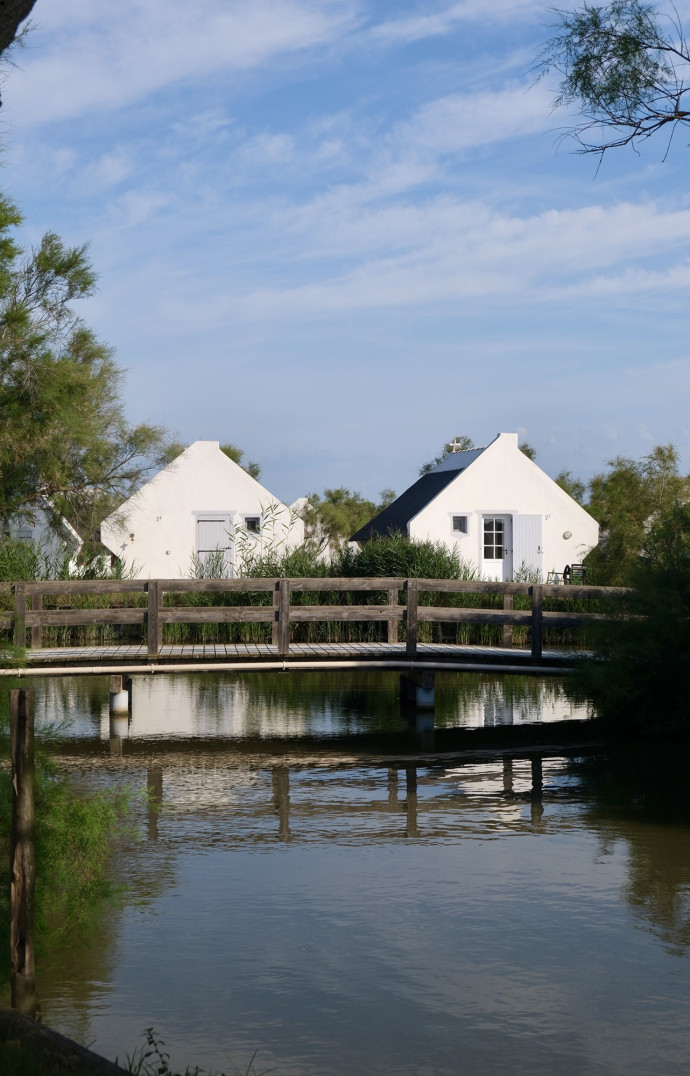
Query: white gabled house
x=52 y=535
x=501 y=512
x=201 y=505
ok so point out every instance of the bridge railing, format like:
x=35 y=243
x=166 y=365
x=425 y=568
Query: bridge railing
x=152 y=614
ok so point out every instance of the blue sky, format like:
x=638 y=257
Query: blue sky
x=339 y=232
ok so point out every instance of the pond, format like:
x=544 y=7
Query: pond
x=336 y=911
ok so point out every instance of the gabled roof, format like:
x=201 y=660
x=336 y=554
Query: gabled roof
x=395 y=518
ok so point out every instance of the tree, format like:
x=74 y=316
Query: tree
x=236 y=455
x=528 y=450
x=627 y=501
x=574 y=487
x=625 y=66
x=460 y=443
x=63 y=435
x=331 y=519
x=12 y=13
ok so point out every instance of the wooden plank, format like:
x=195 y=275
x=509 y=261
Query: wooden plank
x=345 y=612
x=453 y=615
x=355 y=583
x=217 y=614
x=470 y=586
x=73 y=617
x=229 y=586
x=565 y=591
x=574 y=620
x=36 y=632
x=88 y=586
x=20 y=614
x=411 y=617
x=22 y=851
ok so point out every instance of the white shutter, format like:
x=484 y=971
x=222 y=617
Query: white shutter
x=212 y=534
x=527 y=547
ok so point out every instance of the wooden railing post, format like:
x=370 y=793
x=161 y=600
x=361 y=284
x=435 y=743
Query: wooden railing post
x=20 y=614
x=154 y=632
x=393 y=623
x=537 y=623
x=275 y=627
x=411 y=619
x=507 y=628
x=36 y=630
x=284 y=617
x=22 y=851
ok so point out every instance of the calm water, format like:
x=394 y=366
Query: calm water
x=347 y=914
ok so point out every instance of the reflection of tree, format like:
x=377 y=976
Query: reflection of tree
x=658 y=886
x=643 y=798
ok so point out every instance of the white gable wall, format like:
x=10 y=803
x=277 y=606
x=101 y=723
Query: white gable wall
x=502 y=481
x=155 y=532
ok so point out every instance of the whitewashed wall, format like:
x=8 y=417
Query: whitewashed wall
x=505 y=482
x=154 y=533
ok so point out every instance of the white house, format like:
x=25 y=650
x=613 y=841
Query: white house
x=201 y=504
x=52 y=535
x=501 y=512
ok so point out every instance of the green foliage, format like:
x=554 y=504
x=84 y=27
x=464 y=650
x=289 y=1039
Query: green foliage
x=396 y=555
x=460 y=443
x=154 y=1060
x=626 y=500
x=236 y=455
x=74 y=833
x=639 y=681
x=333 y=518
x=63 y=436
x=623 y=67
x=528 y=450
x=574 y=487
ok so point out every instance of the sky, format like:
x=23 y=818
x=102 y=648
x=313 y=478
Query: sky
x=337 y=233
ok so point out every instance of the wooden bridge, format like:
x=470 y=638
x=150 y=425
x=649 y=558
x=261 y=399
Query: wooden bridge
x=283 y=603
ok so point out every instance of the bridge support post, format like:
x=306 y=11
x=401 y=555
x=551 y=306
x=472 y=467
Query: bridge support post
x=283 y=617
x=154 y=627
x=120 y=701
x=418 y=689
x=20 y=614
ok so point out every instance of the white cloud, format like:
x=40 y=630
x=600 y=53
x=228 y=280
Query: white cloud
x=417 y=27
x=106 y=57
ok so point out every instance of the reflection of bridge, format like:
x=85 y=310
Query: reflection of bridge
x=447 y=606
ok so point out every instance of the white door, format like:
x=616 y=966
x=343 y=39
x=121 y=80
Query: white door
x=496 y=549
x=527 y=548
x=214 y=544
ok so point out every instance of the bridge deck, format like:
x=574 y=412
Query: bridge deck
x=307 y=654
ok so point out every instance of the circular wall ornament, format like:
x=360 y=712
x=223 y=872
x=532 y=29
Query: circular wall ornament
x=567 y=534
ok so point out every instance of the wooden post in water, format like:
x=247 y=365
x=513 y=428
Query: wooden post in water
x=20 y=614
x=412 y=595
x=537 y=623
x=281 y=800
x=22 y=851
x=411 y=804
x=154 y=633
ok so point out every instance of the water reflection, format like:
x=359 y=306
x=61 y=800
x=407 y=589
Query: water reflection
x=261 y=705
x=348 y=914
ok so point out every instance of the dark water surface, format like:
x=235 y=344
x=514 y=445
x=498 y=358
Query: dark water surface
x=344 y=914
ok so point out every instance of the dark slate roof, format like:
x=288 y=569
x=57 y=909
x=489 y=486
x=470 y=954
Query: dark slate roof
x=395 y=518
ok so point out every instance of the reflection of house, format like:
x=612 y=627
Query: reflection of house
x=204 y=505
x=51 y=534
x=500 y=511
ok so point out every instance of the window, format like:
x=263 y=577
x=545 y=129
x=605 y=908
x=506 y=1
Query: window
x=460 y=524
x=253 y=524
x=494 y=534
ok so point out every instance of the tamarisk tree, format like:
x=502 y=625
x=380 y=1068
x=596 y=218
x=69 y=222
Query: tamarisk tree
x=64 y=438
x=625 y=67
